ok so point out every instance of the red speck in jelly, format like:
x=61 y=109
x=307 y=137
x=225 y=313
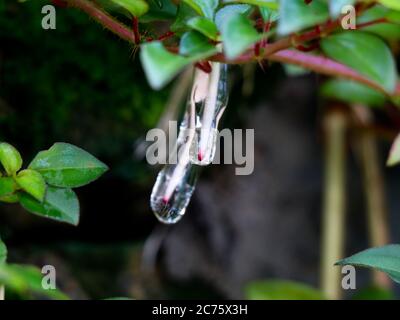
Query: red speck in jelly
x=165 y=200
x=200 y=156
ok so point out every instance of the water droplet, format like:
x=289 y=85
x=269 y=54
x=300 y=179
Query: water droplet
x=196 y=145
x=209 y=110
x=172 y=192
x=176 y=181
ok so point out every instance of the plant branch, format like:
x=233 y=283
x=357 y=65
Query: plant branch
x=105 y=19
x=118 y=28
x=276 y=51
x=333 y=219
x=374 y=186
x=373 y=22
x=294 y=40
x=326 y=66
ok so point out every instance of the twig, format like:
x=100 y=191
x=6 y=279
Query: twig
x=102 y=17
x=98 y=14
x=276 y=51
x=326 y=66
x=374 y=187
x=334 y=203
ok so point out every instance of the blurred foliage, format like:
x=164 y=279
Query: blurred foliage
x=78 y=84
x=27 y=282
x=83 y=85
x=373 y=293
x=281 y=290
x=385 y=259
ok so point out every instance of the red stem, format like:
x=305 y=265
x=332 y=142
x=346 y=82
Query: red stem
x=166 y=35
x=125 y=33
x=135 y=28
x=60 y=3
x=326 y=66
x=257 y=49
x=276 y=51
x=204 y=66
x=102 y=17
x=309 y=48
x=370 y=23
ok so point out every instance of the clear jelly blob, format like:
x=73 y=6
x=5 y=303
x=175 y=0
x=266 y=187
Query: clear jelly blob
x=170 y=198
x=209 y=110
x=176 y=181
x=207 y=157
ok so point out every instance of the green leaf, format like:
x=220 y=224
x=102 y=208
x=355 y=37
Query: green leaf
x=159 y=3
x=10 y=158
x=364 y=52
x=373 y=293
x=165 y=11
x=294 y=70
x=271 y=4
x=393 y=16
x=184 y=13
x=296 y=15
x=352 y=92
x=59 y=204
x=136 y=7
x=65 y=165
x=385 y=259
x=204 y=26
x=159 y=65
x=26 y=280
x=204 y=7
x=3 y=252
x=10 y=198
x=335 y=6
x=389 y=30
x=7 y=186
x=32 y=182
x=225 y=12
x=195 y=44
x=393 y=4
x=269 y=15
x=281 y=290
x=378 y=12
x=237 y=35
x=394 y=155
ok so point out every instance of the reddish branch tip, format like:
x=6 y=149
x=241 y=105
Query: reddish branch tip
x=166 y=35
x=60 y=3
x=165 y=200
x=257 y=49
x=310 y=48
x=135 y=28
x=204 y=66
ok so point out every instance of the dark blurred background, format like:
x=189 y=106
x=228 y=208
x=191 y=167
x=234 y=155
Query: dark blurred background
x=82 y=85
